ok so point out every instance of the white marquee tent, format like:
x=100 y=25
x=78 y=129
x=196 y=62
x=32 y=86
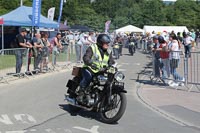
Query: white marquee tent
x=160 y=29
x=129 y=28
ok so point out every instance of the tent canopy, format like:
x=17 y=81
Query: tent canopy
x=160 y=29
x=63 y=27
x=80 y=28
x=22 y=16
x=129 y=28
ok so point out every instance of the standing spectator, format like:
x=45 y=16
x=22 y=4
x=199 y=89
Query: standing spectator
x=29 y=41
x=21 y=43
x=71 y=39
x=193 y=35
x=144 y=41
x=57 y=46
x=156 y=57
x=91 y=38
x=85 y=42
x=45 y=49
x=78 y=48
x=164 y=55
x=174 y=57
x=197 y=39
x=37 y=43
x=180 y=39
x=184 y=36
x=120 y=42
x=188 y=40
x=116 y=48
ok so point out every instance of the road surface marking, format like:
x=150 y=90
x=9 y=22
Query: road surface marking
x=92 y=130
x=25 y=118
x=5 y=119
x=15 y=131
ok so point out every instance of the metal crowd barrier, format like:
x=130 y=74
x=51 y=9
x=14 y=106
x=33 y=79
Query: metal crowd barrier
x=193 y=70
x=8 y=63
x=187 y=68
x=63 y=59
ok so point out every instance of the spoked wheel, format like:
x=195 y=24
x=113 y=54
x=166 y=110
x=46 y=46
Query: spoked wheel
x=113 y=112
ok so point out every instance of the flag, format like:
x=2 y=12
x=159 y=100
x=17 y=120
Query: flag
x=107 y=25
x=60 y=13
x=36 y=11
x=65 y=23
x=51 y=13
x=1 y=21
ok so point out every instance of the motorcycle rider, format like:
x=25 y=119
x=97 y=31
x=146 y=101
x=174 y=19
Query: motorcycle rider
x=97 y=57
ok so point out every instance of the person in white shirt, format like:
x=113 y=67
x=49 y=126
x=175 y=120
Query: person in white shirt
x=71 y=39
x=188 y=44
x=91 y=38
x=82 y=46
x=174 y=57
x=78 y=47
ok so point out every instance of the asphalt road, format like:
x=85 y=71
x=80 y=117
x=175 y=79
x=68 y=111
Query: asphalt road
x=36 y=105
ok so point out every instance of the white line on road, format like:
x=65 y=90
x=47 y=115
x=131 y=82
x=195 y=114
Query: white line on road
x=5 y=119
x=25 y=118
x=15 y=131
x=50 y=131
x=92 y=130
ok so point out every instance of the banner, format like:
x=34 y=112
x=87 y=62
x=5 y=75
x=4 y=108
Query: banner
x=51 y=13
x=107 y=25
x=60 y=13
x=1 y=21
x=36 y=12
x=65 y=23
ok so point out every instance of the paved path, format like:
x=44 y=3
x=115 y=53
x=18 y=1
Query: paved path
x=36 y=105
x=178 y=105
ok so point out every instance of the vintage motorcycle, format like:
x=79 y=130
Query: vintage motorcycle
x=105 y=94
x=131 y=48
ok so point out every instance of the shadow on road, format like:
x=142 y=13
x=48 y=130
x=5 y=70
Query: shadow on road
x=83 y=113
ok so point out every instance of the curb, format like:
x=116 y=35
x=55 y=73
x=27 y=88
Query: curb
x=161 y=112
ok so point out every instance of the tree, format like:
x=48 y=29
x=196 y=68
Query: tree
x=120 y=12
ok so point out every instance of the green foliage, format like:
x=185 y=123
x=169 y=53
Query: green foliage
x=120 y=12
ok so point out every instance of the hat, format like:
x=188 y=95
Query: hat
x=23 y=30
x=161 y=39
x=155 y=37
x=85 y=35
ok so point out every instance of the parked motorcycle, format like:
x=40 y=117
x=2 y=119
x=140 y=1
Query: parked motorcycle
x=105 y=94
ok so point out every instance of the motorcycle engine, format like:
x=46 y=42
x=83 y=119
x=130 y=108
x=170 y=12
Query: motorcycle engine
x=89 y=98
x=86 y=100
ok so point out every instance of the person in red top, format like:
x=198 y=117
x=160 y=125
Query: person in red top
x=164 y=55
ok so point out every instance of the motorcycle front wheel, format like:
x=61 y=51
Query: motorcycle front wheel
x=111 y=113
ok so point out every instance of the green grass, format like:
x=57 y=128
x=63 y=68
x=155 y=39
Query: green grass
x=7 y=61
x=62 y=57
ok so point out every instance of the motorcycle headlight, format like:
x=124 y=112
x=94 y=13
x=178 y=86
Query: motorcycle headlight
x=102 y=79
x=119 y=76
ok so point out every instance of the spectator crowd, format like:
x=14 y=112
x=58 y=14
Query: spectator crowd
x=165 y=46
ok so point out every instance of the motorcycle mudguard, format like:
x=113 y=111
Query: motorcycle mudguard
x=119 y=87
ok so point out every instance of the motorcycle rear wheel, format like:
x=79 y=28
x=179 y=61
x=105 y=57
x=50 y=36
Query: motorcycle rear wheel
x=106 y=110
